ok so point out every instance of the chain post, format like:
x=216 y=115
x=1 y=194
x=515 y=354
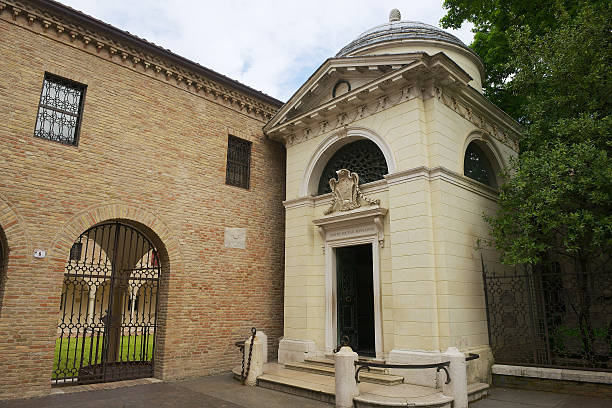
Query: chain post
x=248 y=368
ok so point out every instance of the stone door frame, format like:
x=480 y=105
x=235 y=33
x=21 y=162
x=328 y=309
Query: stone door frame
x=356 y=228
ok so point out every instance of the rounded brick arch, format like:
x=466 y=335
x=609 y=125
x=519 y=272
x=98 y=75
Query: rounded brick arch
x=14 y=243
x=159 y=233
x=155 y=229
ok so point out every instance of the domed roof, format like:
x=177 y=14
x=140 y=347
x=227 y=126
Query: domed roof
x=397 y=29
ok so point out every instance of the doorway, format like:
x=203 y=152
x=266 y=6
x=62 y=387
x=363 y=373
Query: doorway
x=107 y=324
x=355 y=298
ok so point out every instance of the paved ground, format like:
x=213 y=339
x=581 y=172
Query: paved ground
x=224 y=392
x=511 y=398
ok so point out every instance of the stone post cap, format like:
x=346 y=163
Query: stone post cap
x=346 y=351
x=453 y=351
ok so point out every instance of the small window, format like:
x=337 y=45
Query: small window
x=238 y=162
x=60 y=110
x=477 y=166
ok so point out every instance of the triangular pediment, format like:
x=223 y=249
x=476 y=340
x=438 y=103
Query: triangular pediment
x=338 y=76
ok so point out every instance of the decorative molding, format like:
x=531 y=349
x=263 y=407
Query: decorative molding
x=477 y=119
x=62 y=29
x=307 y=201
x=363 y=110
x=421 y=172
x=351 y=224
x=442 y=173
x=346 y=192
x=396 y=87
x=349 y=115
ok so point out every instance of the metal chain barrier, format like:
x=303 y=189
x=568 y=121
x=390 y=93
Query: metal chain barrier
x=243 y=375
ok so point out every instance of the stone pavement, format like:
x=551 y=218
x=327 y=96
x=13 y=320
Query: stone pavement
x=513 y=398
x=222 y=391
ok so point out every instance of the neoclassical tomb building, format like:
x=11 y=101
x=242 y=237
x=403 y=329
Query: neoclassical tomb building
x=392 y=159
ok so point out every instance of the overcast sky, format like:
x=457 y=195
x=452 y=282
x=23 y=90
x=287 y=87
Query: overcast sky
x=270 y=45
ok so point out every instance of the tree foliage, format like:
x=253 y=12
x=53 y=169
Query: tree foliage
x=550 y=66
x=557 y=202
x=495 y=22
x=564 y=79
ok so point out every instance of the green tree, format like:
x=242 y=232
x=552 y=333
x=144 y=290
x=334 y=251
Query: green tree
x=556 y=201
x=494 y=23
x=551 y=201
x=563 y=77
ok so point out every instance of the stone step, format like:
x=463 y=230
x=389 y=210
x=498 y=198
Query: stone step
x=329 y=362
x=408 y=396
x=304 y=387
x=322 y=361
x=364 y=376
x=322 y=387
x=477 y=391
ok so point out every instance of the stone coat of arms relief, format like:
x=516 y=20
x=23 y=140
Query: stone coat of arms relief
x=346 y=194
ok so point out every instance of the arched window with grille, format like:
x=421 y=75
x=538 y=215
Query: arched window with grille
x=363 y=157
x=478 y=166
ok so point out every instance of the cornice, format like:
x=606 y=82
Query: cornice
x=482 y=113
x=404 y=176
x=432 y=77
x=136 y=54
x=357 y=104
x=339 y=218
x=398 y=76
x=307 y=201
x=336 y=66
x=428 y=42
x=373 y=187
x=442 y=173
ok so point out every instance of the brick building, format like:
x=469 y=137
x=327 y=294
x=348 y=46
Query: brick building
x=130 y=179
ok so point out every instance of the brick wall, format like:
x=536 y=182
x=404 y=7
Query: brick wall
x=152 y=151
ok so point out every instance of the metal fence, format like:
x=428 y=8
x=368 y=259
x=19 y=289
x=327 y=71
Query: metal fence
x=549 y=317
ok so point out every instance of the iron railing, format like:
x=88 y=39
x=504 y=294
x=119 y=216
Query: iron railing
x=438 y=366
x=550 y=317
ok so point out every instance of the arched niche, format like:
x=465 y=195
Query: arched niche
x=481 y=161
x=330 y=145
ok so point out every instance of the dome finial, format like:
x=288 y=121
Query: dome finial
x=395 y=15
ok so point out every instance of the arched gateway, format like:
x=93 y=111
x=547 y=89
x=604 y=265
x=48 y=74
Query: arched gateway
x=108 y=308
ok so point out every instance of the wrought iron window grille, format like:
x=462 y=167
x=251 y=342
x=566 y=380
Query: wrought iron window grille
x=60 y=110
x=477 y=166
x=362 y=157
x=238 y=162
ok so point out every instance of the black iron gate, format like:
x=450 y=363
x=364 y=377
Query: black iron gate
x=548 y=317
x=108 y=307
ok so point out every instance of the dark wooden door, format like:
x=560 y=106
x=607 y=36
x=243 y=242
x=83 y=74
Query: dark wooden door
x=355 y=297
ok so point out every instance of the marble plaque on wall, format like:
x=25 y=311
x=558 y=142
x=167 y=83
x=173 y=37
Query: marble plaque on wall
x=235 y=238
